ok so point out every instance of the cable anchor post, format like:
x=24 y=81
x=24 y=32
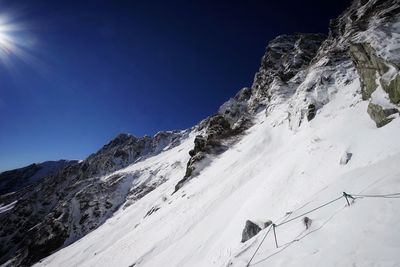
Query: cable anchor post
x=276 y=241
x=347 y=196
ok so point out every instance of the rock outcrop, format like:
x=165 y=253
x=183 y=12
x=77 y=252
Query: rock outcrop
x=371 y=52
x=218 y=133
x=368 y=66
x=381 y=116
x=346 y=157
x=284 y=58
x=377 y=74
x=250 y=230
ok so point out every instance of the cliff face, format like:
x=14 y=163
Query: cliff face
x=369 y=32
x=285 y=56
x=374 y=52
x=305 y=70
x=380 y=83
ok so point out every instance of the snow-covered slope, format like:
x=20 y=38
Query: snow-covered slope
x=321 y=118
x=313 y=125
x=271 y=171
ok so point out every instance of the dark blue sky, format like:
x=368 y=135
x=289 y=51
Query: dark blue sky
x=97 y=68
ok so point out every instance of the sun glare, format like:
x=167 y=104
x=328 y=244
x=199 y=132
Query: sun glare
x=5 y=43
x=14 y=40
x=6 y=37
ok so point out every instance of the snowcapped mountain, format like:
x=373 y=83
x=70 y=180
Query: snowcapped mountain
x=321 y=118
x=68 y=204
x=15 y=183
x=16 y=180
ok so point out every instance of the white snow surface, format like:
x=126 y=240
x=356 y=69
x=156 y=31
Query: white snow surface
x=272 y=170
x=380 y=97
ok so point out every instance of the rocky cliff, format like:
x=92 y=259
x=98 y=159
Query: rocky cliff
x=285 y=56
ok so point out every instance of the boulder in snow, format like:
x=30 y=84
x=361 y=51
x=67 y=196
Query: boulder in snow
x=379 y=115
x=250 y=230
x=311 y=112
x=346 y=157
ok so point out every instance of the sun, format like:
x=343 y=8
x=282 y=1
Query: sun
x=14 y=39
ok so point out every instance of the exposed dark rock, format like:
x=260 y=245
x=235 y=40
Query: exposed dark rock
x=151 y=211
x=343 y=42
x=368 y=65
x=379 y=115
x=311 y=112
x=285 y=56
x=250 y=229
x=346 y=158
x=199 y=145
x=191 y=166
x=219 y=135
x=393 y=89
x=345 y=27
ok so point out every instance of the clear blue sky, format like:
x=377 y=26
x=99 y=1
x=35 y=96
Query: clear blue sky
x=93 y=69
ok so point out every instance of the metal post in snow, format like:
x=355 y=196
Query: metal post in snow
x=345 y=195
x=276 y=241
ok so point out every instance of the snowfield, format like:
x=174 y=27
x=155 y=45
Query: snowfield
x=273 y=173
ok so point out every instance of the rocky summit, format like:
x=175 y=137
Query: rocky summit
x=320 y=118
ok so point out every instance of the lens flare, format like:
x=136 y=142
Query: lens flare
x=7 y=42
x=15 y=40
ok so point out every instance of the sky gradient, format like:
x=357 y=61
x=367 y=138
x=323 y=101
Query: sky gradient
x=93 y=69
